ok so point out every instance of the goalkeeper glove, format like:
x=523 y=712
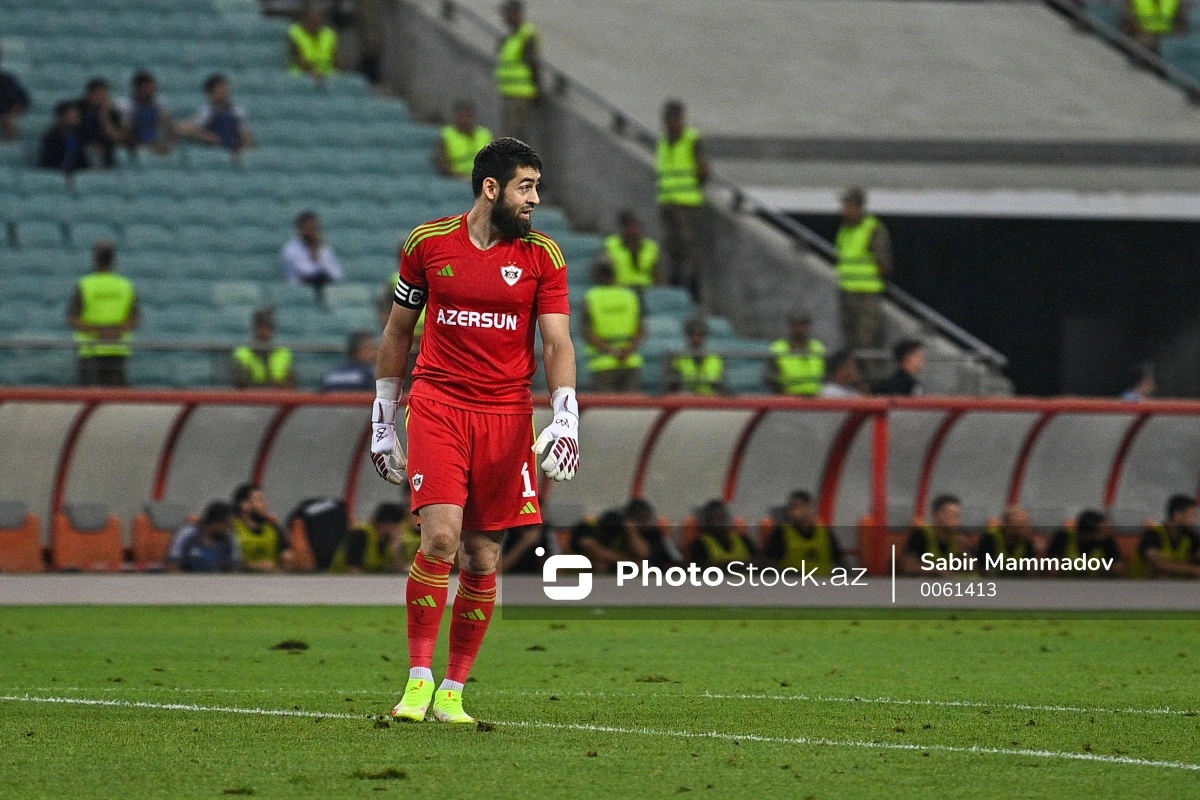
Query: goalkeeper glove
x=562 y=457
x=386 y=454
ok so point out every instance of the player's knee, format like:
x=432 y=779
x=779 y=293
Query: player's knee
x=439 y=542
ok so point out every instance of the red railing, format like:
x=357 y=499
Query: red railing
x=857 y=413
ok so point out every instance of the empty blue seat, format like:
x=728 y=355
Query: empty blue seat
x=236 y=293
x=170 y=291
x=40 y=234
x=144 y=236
x=666 y=300
x=350 y=295
x=83 y=235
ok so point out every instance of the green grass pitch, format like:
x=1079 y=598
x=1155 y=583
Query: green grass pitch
x=173 y=702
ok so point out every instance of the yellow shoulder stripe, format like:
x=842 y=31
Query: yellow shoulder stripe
x=429 y=229
x=550 y=246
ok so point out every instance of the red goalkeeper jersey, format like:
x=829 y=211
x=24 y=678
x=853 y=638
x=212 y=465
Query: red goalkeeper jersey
x=481 y=308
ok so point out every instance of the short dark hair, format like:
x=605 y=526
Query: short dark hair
x=673 y=108
x=355 y=340
x=305 y=216
x=464 y=107
x=639 y=509
x=500 y=160
x=855 y=195
x=95 y=83
x=1089 y=521
x=1179 y=502
x=104 y=253
x=943 y=500
x=603 y=272
x=213 y=80
x=626 y=217
x=696 y=326
x=215 y=512
x=141 y=78
x=262 y=318
x=801 y=495
x=389 y=513
x=905 y=347
x=242 y=493
x=63 y=107
x=835 y=361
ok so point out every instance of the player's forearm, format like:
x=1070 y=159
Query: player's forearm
x=394 y=348
x=559 y=359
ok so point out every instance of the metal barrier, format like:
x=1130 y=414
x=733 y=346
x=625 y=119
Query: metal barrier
x=124 y=448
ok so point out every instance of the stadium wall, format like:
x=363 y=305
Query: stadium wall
x=755 y=275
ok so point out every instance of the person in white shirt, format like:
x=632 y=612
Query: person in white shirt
x=844 y=378
x=307 y=259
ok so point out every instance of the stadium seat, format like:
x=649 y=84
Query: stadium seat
x=153 y=530
x=86 y=537
x=236 y=293
x=40 y=234
x=662 y=326
x=84 y=235
x=20 y=539
x=142 y=236
x=666 y=300
x=349 y=295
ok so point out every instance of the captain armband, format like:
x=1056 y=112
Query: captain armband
x=409 y=296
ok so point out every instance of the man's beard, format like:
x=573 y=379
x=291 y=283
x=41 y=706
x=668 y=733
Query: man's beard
x=505 y=219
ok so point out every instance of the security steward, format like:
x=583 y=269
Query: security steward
x=1171 y=549
x=864 y=261
x=798 y=368
x=461 y=142
x=381 y=545
x=799 y=540
x=697 y=371
x=717 y=542
x=104 y=313
x=634 y=255
x=312 y=44
x=517 y=69
x=613 y=330
x=262 y=364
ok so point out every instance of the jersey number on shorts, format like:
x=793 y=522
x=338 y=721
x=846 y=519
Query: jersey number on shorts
x=529 y=490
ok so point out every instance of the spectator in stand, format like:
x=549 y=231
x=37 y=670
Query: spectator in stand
x=613 y=328
x=219 y=122
x=910 y=362
x=101 y=127
x=262 y=542
x=682 y=171
x=633 y=255
x=208 y=545
x=519 y=550
x=1142 y=386
x=104 y=312
x=799 y=364
x=799 y=539
x=697 y=371
x=14 y=102
x=380 y=545
x=1172 y=549
x=358 y=373
x=517 y=71
x=308 y=259
x=62 y=143
x=1090 y=536
x=641 y=526
x=717 y=542
x=943 y=537
x=1012 y=538
x=146 y=118
x=455 y=153
x=263 y=364
x=845 y=380
x=1147 y=21
x=312 y=45
x=864 y=263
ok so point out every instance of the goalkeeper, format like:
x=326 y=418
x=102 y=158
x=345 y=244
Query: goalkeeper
x=484 y=279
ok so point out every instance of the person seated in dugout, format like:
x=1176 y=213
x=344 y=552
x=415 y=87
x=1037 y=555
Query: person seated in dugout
x=1172 y=549
x=1012 y=538
x=940 y=539
x=263 y=544
x=1092 y=538
x=207 y=545
x=641 y=525
x=385 y=544
x=518 y=553
x=717 y=542
x=607 y=541
x=799 y=540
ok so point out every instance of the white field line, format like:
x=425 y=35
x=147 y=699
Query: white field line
x=587 y=728
x=796 y=698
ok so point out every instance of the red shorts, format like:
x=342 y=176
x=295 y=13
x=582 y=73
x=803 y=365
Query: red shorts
x=482 y=462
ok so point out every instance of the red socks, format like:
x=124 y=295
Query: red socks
x=472 y=612
x=425 y=596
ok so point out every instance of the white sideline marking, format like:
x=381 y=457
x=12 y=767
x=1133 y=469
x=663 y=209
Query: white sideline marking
x=738 y=737
x=799 y=698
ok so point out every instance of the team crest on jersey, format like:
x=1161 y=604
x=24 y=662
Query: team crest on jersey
x=417 y=480
x=511 y=274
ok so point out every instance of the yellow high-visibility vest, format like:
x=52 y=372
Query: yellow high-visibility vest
x=514 y=76
x=279 y=364
x=261 y=546
x=1156 y=16
x=738 y=550
x=1141 y=568
x=803 y=552
x=632 y=269
x=800 y=373
x=857 y=269
x=318 y=50
x=703 y=375
x=679 y=171
x=461 y=148
x=616 y=313
x=107 y=300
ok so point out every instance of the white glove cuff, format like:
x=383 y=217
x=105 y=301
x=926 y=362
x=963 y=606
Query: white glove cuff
x=564 y=399
x=387 y=389
x=383 y=411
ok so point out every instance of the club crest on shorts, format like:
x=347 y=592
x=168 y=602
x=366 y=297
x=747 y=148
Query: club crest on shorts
x=417 y=480
x=511 y=274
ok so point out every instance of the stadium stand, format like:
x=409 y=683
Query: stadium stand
x=199 y=232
